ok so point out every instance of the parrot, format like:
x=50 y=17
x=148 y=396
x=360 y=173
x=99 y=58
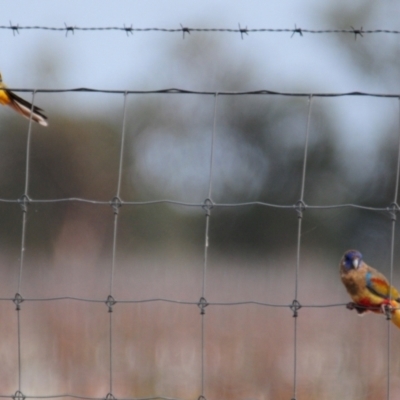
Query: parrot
x=21 y=106
x=368 y=288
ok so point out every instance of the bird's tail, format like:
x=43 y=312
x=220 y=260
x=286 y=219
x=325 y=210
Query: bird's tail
x=24 y=108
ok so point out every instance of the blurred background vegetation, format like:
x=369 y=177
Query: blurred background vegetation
x=258 y=156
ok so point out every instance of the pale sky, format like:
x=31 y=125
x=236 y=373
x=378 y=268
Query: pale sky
x=113 y=60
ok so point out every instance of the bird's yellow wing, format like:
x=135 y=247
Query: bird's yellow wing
x=21 y=106
x=378 y=285
x=4 y=95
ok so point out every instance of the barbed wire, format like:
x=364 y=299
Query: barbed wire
x=184 y=29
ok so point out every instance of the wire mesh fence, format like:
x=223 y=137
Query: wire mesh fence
x=197 y=310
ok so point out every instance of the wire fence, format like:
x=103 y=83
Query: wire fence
x=184 y=29
x=208 y=205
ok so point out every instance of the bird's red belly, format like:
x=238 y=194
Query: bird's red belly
x=372 y=306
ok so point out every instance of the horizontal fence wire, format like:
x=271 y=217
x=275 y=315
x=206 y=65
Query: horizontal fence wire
x=209 y=93
x=389 y=208
x=75 y=396
x=184 y=29
x=164 y=300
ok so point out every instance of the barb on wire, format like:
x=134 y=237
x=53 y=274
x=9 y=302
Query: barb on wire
x=296 y=30
x=243 y=31
x=69 y=29
x=128 y=30
x=184 y=30
x=357 y=32
x=14 y=28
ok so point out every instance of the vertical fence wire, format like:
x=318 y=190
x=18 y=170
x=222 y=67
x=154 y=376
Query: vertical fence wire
x=300 y=209
x=19 y=351
x=207 y=208
x=25 y=198
x=23 y=235
x=394 y=210
x=212 y=144
x=303 y=176
x=208 y=202
x=115 y=203
x=110 y=335
x=28 y=146
x=396 y=189
x=24 y=206
x=389 y=336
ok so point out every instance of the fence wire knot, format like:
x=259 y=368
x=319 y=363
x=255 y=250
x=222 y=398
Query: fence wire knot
x=295 y=307
x=387 y=310
x=184 y=30
x=110 y=302
x=357 y=32
x=110 y=396
x=116 y=204
x=17 y=300
x=300 y=206
x=201 y=397
x=207 y=206
x=202 y=304
x=296 y=30
x=18 y=395
x=24 y=201
x=393 y=210
x=243 y=31
x=14 y=28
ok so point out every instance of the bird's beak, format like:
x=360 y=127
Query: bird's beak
x=356 y=263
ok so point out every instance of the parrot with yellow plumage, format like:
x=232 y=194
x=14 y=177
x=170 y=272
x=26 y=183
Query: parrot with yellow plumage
x=368 y=288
